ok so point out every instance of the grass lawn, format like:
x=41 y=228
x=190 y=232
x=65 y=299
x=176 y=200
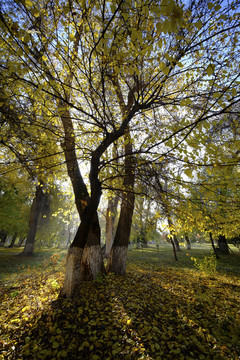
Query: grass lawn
x=162 y=309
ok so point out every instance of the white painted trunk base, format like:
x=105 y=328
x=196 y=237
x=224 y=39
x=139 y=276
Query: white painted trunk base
x=81 y=265
x=73 y=272
x=118 y=260
x=92 y=262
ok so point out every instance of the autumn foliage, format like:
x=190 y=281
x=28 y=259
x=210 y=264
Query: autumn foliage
x=156 y=312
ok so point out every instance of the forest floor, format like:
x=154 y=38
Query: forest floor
x=163 y=309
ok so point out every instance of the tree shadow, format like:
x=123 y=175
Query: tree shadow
x=153 y=313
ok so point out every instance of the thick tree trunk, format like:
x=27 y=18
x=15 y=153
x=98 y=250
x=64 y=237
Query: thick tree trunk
x=84 y=259
x=118 y=256
x=110 y=220
x=188 y=242
x=33 y=221
x=223 y=245
x=92 y=259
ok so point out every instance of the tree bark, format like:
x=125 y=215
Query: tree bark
x=33 y=221
x=3 y=238
x=223 y=245
x=110 y=220
x=82 y=263
x=84 y=259
x=188 y=242
x=118 y=256
x=176 y=243
x=213 y=246
x=174 y=248
x=20 y=241
x=12 y=241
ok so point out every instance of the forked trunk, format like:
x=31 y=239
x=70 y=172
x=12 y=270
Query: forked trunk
x=84 y=259
x=34 y=215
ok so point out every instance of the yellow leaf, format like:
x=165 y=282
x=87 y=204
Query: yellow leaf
x=25 y=308
x=28 y=3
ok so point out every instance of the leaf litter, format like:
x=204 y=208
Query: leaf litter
x=153 y=313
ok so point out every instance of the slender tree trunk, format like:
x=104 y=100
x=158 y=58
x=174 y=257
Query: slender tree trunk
x=176 y=243
x=223 y=245
x=188 y=242
x=173 y=238
x=20 y=241
x=174 y=248
x=33 y=221
x=110 y=220
x=12 y=241
x=118 y=256
x=3 y=237
x=213 y=246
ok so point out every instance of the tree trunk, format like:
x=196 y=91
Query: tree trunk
x=3 y=238
x=33 y=221
x=84 y=259
x=118 y=256
x=92 y=259
x=20 y=241
x=223 y=245
x=213 y=246
x=176 y=243
x=174 y=248
x=82 y=263
x=110 y=220
x=188 y=242
x=12 y=241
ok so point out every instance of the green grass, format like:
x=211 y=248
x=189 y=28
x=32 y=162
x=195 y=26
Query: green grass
x=227 y=264
x=11 y=263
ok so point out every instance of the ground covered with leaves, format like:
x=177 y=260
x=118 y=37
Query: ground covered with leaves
x=156 y=312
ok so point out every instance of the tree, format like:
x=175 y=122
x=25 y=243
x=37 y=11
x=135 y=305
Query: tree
x=110 y=70
x=26 y=148
x=14 y=207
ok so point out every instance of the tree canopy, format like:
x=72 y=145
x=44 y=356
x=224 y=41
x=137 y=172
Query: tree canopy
x=156 y=81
